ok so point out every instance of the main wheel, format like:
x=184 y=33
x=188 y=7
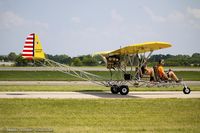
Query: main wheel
x=114 y=89
x=186 y=90
x=124 y=90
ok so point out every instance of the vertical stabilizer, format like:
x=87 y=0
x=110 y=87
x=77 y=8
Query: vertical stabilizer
x=33 y=48
x=38 y=52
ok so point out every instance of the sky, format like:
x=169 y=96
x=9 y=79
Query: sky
x=80 y=27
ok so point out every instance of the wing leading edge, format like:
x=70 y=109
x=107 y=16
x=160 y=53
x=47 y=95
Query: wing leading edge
x=137 y=48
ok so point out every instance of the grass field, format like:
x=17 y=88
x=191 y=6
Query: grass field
x=94 y=116
x=58 y=76
x=81 y=88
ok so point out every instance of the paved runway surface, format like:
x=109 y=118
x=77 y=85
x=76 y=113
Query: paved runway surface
x=66 y=83
x=96 y=95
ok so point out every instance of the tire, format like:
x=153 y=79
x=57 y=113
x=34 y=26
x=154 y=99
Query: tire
x=124 y=90
x=114 y=89
x=186 y=90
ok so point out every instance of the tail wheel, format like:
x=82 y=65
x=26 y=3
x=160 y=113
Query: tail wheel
x=124 y=90
x=114 y=89
x=186 y=90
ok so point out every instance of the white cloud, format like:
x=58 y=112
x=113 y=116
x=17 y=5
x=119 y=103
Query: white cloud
x=116 y=16
x=189 y=16
x=10 y=20
x=153 y=16
x=175 y=17
x=40 y=24
x=194 y=12
x=91 y=29
x=75 y=19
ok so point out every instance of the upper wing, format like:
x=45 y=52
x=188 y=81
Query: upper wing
x=137 y=48
x=104 y=53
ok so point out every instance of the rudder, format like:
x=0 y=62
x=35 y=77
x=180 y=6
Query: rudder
x=32 y=48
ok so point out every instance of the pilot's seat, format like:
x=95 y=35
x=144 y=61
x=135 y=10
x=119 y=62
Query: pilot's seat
x=147 y=72
x=157 y=76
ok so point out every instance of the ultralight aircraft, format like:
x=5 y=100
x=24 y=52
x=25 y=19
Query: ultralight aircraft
x=121 y=61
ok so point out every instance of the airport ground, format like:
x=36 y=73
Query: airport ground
x=101 y=115
x=121 y=114
x=58 y=76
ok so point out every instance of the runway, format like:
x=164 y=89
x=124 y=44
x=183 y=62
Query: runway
x=67 y=83
x=98 y=95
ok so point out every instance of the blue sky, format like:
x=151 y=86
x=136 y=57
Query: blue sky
x=77 y=27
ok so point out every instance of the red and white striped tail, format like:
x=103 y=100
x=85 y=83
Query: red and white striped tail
x=28 y=50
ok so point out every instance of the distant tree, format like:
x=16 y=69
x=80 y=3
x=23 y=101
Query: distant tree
x=196 y=55
x=195 y=59
x=89 y=61
x=20 y=61
x=81 y=57
x=64 y=59
x=169 y=56
x=12 y=56
x=76 y=62
x=49 y=56
x=3 y=58
x=156 y=58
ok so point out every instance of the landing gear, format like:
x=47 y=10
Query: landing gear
x=114 y=89
x=186 y=90
x=123 y=89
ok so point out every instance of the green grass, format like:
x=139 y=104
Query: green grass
x=53 y=88
x=189 y=75
x=104 y=115
x=35 y=75
x=58 y=76
x=68 y=88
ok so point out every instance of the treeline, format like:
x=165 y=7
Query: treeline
x=177 y=60
x=88 y=60
x=84 y=60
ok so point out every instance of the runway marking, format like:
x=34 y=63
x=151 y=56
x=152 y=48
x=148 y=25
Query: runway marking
x=96 y=95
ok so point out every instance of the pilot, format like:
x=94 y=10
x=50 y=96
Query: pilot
x=168 y=75
x=148 y=71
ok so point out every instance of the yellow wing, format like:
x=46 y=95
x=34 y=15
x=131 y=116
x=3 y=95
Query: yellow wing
x=104 y=53
x=137 y=48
